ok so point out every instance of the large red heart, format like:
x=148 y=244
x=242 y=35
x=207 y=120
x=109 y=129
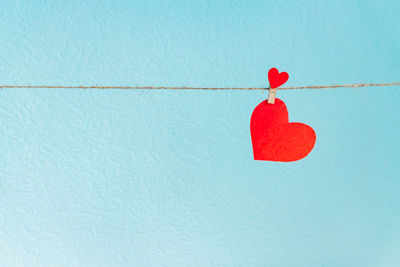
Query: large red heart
x=274 y=138
x=276 y=79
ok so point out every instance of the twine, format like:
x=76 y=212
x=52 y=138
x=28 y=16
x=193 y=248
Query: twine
x=197 y=88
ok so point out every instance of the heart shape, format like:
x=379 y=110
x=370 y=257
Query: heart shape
x=276 y=79
x=274 y=138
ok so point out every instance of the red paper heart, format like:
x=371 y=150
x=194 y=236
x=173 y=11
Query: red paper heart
x=274 y=138
x=276 y=79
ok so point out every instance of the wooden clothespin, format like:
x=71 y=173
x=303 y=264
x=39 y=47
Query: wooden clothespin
x=271 y=95
x=275 y=79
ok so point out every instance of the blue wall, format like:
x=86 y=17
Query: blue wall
x=166 y=178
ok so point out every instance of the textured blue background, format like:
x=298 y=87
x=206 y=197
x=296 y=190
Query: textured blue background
x=166 y=178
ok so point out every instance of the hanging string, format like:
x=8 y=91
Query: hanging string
x=197 y=88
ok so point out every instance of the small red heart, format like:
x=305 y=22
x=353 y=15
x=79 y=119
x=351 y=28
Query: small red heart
x=276 y=79
x=274 y=138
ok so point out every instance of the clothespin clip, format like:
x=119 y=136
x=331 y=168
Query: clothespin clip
x=275 y=79
x=271 y=95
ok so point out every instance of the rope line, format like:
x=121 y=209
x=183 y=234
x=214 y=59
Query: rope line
x=197 y=88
